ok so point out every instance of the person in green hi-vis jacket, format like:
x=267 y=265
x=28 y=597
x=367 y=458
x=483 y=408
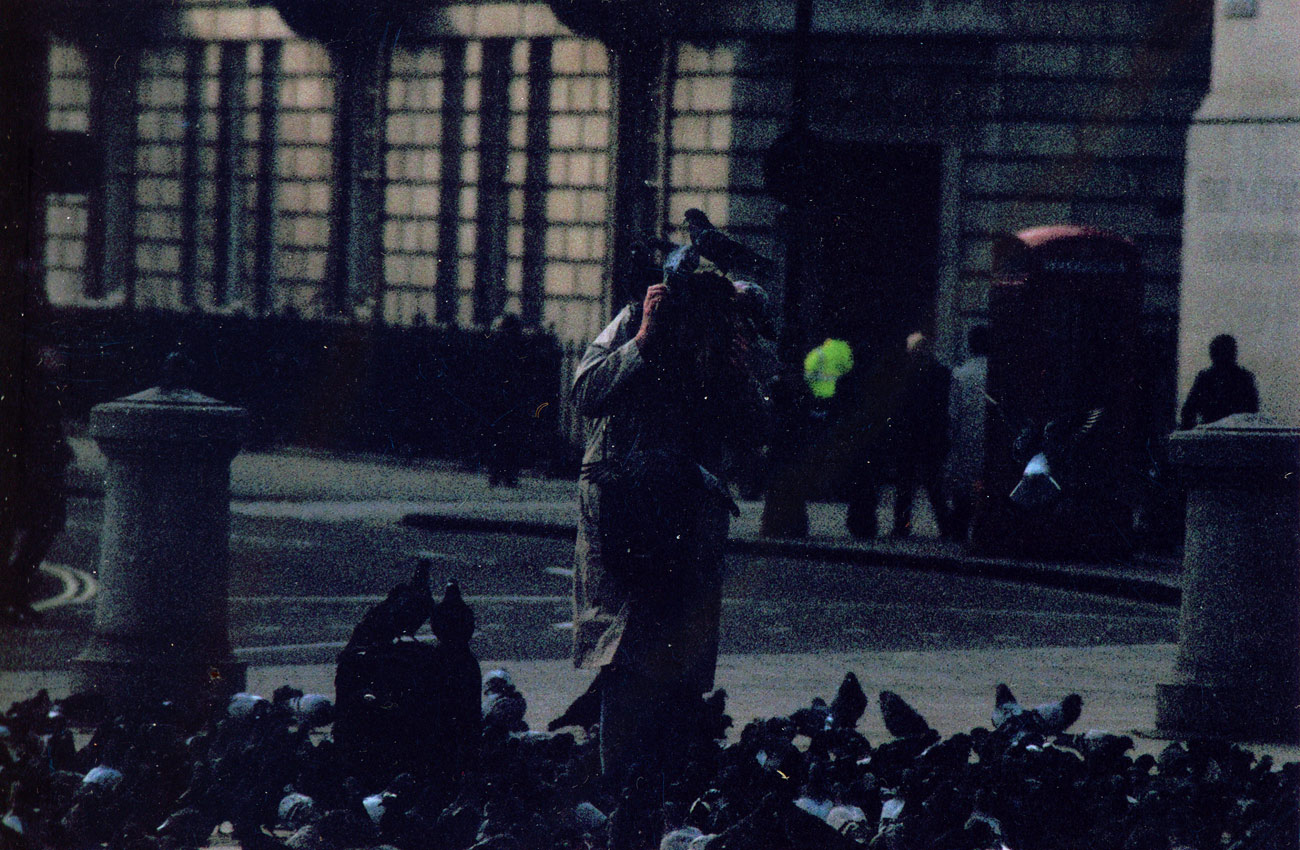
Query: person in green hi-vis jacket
x=825 y=365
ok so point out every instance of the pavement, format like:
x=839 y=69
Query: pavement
x=952 y=688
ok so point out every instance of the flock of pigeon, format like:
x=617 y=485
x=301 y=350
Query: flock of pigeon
x=266 y=773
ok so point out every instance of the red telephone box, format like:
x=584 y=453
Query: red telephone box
x=1065 y=312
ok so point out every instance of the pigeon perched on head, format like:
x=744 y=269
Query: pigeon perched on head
x=451 y=620
x=901 y=719
x=400 y=614
x=849 y=704
x=681 y=262
x=721 y=250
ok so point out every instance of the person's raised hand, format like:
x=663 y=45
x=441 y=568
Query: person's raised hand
x=650 y=321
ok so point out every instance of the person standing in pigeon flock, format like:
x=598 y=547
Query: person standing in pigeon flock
x=667 y=388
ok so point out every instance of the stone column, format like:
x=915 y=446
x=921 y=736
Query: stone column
x=1241 y=225
x=160 y=628
x=1238 y=667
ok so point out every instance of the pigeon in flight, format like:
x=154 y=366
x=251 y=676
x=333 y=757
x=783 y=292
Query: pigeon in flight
x=721 y=250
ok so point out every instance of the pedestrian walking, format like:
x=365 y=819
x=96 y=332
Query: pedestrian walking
x=967 y=414
x=33 y=459
x=918 y=435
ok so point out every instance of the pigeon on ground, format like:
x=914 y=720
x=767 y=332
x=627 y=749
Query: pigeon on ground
x=188 y=827
x=312 y=710
x=451 y=620
x=680 y=838
x=1050 y=718
x=1056 y=717
x=1005 y=707
x=721 y=250
x=503 y=705
x=583 y=712
x=400 y=614
x=810 y=720
x=849 y=704
x=296 y=810
x=901 y=719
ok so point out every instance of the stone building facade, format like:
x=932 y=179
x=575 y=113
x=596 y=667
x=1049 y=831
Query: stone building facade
x=240 y=165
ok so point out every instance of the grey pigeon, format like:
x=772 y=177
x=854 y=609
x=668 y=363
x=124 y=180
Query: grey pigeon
x=297 y=810
x=503 y=705
x=1005 y=707
x=1059 y=716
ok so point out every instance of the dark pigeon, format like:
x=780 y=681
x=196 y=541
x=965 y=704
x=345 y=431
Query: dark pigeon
x=810 y=720
x=401 y=613
x=1005 y=707
x=583 y=712
x=503 y=705
x=451 y=620
x=901 y=719
x=849 y=704
x=721 y=250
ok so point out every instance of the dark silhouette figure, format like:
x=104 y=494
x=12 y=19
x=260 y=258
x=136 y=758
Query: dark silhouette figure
x=1221 y=390
x=668 y=390
x=406 y=705
x=507 y=431
x=918 y=434
x=33 y=459
x=909 y=432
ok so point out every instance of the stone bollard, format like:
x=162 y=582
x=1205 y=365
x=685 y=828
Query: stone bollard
x=160 y=628
x=1238 y=666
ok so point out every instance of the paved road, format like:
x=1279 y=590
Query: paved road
x=301 y=578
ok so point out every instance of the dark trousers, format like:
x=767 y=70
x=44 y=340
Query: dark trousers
x=33 y=526
x=639 y=725
x=928 y=477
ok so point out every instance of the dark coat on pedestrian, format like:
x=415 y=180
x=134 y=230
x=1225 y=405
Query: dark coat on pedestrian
x=1219 y=391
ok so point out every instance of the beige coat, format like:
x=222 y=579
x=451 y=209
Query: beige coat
x=664 y=626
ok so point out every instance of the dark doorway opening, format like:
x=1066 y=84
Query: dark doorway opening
x=871 y=233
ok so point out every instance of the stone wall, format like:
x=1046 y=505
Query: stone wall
x=496 y=153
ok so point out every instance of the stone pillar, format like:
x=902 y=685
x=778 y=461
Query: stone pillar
x=1241 y=223
x=1238 y=667
x=160 y=620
